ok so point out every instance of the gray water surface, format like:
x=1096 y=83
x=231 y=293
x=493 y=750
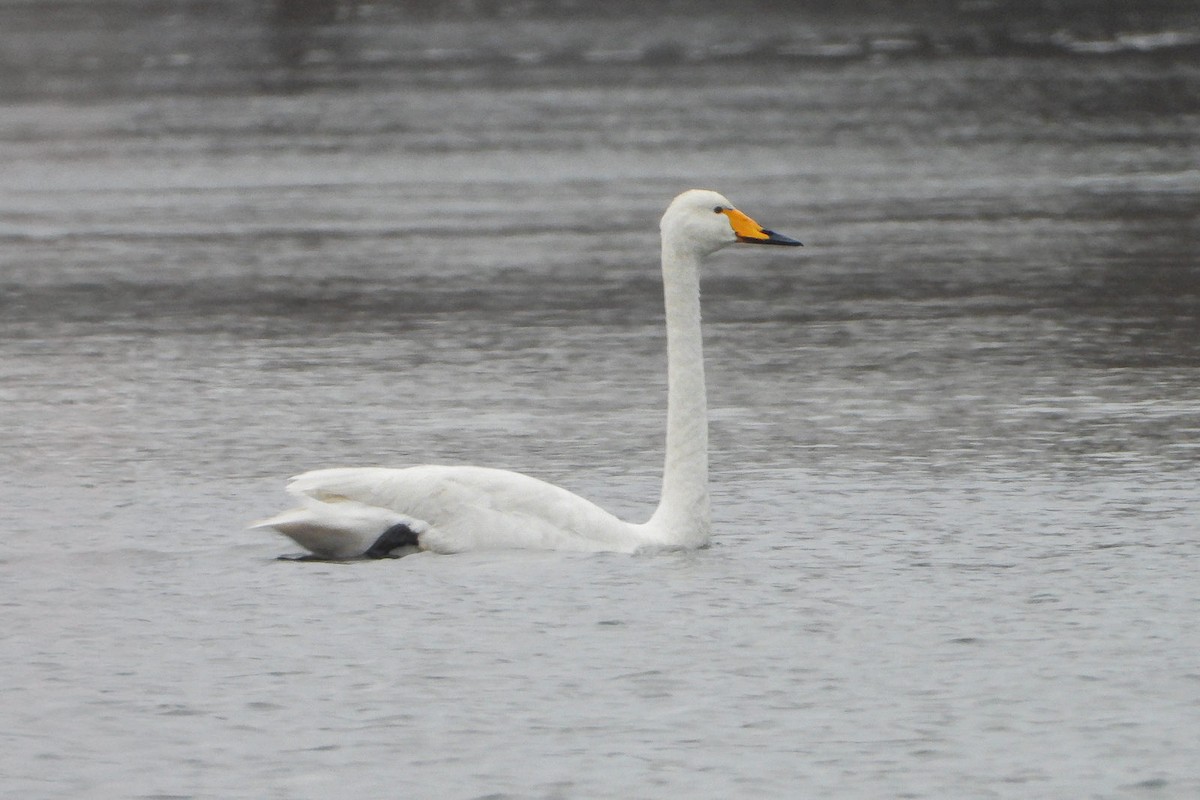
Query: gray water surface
x=956 y=439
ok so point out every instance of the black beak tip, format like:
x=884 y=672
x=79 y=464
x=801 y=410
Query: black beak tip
x=779 y=238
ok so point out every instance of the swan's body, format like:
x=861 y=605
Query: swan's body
x=374 y=512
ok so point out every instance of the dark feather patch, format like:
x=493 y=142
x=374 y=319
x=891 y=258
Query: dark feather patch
x=399 y=535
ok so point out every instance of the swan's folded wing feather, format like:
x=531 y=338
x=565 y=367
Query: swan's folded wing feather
x=344 y=529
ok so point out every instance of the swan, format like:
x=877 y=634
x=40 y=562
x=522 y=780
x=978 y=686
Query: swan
x=375 y=512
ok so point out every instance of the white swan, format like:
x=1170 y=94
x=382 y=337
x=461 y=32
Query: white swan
x=376 y=512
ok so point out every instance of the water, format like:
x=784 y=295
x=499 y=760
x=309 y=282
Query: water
x=956 y=439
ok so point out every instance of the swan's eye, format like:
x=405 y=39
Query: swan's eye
x=718 y=210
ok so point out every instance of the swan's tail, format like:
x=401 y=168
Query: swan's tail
x=346 y=529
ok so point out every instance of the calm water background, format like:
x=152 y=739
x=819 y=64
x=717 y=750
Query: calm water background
x=956 y=439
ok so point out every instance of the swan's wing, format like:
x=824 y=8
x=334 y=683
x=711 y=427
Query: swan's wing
x=467 y=508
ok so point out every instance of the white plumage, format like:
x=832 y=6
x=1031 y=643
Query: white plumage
x=450 y=509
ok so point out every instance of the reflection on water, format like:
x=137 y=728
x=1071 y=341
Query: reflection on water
x=295 y=25
x=955 y=439
x=70 y=48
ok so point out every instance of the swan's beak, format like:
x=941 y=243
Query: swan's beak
x=750 y=232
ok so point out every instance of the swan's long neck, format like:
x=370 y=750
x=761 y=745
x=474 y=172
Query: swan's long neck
x=682 y=516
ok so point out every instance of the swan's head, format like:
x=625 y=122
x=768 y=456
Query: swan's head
x=705 y=221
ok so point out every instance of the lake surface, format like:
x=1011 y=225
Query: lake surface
x=956 y=438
